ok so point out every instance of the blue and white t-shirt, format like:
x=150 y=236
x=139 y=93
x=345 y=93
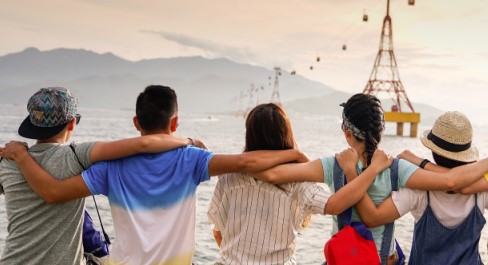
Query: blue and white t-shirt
x=152 y=200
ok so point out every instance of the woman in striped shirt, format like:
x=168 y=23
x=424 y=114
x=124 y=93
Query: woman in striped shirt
x=256 y=222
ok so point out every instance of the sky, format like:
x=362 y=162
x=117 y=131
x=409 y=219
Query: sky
x=441 y=46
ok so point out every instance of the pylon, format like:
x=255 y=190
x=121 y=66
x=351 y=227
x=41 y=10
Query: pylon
x=275 y=97
x=385 y=75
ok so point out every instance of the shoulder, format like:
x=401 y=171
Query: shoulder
x=405 y=170
x=236 y=180
x=328 y=168
x=406 y=200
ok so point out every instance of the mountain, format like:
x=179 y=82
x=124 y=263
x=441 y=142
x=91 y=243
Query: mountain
x=202 y=85
x=329 y=105
x=108 y=81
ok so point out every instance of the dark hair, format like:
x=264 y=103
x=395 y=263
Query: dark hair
x=447 y=162
x=155 y=106
x=366 y=114
x=268 y=128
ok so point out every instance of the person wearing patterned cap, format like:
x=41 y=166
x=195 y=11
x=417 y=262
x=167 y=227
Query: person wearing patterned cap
x=447 y=224
x=43 y=233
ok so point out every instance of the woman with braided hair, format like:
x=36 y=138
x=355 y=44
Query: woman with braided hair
x=363 y=126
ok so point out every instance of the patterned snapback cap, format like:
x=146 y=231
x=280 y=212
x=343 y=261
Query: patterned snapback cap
x=50 y=109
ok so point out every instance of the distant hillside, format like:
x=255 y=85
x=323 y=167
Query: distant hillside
x=329 y=105
x=107 y=81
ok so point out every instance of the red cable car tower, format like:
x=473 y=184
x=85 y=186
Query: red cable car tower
x=385 y=77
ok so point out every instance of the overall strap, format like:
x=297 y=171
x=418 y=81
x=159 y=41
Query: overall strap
x=388 y=232
x=339 y=182
x=105 y=235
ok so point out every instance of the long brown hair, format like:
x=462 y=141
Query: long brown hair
x=268 y=128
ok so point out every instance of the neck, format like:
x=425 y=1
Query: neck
x=166 y=131
x=359 y=147
x=60 y=139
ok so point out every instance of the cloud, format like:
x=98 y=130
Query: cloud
x=210 y=47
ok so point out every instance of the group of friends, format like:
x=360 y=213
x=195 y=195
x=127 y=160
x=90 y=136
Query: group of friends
x=263 y=198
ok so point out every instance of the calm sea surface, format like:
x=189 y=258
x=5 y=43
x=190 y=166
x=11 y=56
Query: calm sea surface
x=316 y=135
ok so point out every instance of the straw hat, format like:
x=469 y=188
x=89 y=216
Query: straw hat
x=451 y=137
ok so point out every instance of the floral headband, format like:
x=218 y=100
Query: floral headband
x=353 y=129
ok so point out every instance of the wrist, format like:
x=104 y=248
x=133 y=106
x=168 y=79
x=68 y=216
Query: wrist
x=190 y=141
x=424 y=163
x=20 y=155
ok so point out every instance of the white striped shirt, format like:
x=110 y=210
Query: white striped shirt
x=259 y=221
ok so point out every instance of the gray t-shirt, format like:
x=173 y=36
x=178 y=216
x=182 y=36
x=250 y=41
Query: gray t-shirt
x=41 y=233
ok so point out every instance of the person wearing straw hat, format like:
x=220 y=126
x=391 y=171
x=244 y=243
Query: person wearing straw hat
x=447 y=224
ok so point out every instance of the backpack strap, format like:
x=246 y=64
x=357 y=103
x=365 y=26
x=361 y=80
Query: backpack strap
x=339 y=182
x=388 y=232
x=105 y=235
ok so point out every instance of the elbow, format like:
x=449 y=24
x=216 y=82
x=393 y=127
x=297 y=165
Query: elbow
x=370 y=223
x=270 y=176
x=51 y=198
x=451 y=185
x=333 y=211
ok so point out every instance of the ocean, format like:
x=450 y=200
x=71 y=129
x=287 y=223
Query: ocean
x=317 y=135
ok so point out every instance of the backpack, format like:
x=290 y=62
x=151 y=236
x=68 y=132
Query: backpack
x=354 y=243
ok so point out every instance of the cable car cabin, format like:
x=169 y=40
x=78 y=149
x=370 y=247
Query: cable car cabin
x=411 y=2
x=318 y=58
x=365 y=17
x=344 y=47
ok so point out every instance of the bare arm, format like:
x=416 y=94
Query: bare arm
x=153 y=143
x=44 y=184
x=479 y=186
x=454 y=179
x=251 y=162
x=310 y=171
x=414 y=159
x=372 y=215
x=356 y=188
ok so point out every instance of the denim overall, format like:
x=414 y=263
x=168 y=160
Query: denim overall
x=434 y=243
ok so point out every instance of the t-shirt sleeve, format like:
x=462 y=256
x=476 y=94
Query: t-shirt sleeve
x=215 y=216
x=328 y=168
x=486 y=176
x=96 y=178
x=407 y=200
x=312 y=198
x=83 y=151
x=405 y=170
x=201 y=158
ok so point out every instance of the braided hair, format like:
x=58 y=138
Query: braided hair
x=365 y=114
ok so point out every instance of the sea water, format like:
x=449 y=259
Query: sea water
x=317 y=135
